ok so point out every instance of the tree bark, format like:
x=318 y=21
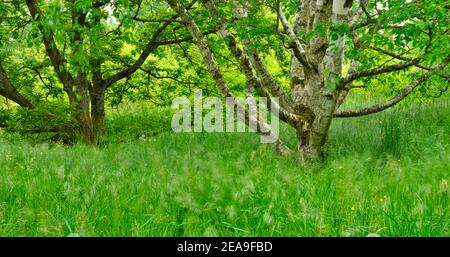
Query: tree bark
x=8 y=90
x=312 y=133
x=82 y=109
x=98 y=111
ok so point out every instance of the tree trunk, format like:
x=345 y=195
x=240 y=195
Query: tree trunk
x=84 y=120
x=98 y=111
x=317 y=88
x=312 y=134
x=90 y=111
x=82 y=111
x=8 y=90
x=86 y=127
x=312 y=137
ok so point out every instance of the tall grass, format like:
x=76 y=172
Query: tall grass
x=386 y=173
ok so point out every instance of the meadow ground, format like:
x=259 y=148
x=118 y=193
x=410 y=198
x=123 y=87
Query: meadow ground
x=387 y=174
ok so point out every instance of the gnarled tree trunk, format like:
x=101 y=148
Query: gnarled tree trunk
x=312 y=134
x=318 y=85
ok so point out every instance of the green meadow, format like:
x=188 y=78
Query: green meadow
x=386 y=174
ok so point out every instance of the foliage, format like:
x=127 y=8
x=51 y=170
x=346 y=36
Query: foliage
x=116 y=38
x=52 y=121
x=142 y=123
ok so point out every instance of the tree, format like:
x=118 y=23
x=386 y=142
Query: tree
x=81 y=40
x=333 y=44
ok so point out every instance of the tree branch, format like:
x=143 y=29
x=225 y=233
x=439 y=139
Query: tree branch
x=181 y=40
x=297 y=48
x=155 y=20
x=393 y=101
x=148 y=49
x=381 y=70
x=269 y=82
x=53 y=53
x=403 y=58
x=41 y=78
x=252 y=81
x=8 y=90
x=98 y=4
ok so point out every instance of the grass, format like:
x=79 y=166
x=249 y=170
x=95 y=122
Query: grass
x=386 y=173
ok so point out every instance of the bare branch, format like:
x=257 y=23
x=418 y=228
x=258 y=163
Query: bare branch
x=403 y=58
x=181 y=40
x=150 y=73
x=381 y=70
x=393 y=101
x=155 y=20
x=298 y=49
